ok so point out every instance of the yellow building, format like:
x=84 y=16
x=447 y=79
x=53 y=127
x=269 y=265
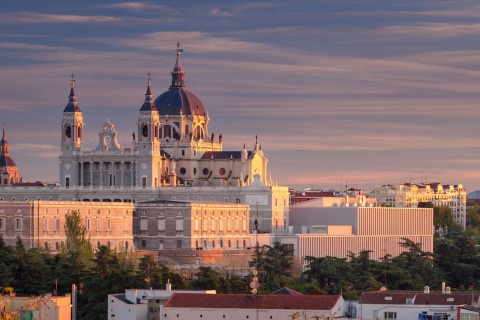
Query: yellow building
x=409 y=195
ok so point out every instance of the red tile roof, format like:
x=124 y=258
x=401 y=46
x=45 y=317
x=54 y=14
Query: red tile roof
x=248 y=301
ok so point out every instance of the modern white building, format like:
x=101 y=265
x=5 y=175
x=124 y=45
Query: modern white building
x=248 y=306
x=319 y=230
x=142 y=304
x=409 y=195
x=428 y=305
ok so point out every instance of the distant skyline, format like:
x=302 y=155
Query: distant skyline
x=370 y=92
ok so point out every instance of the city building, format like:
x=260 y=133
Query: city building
x=248 y=306
x=396 y=304
x=41 y=223
x=40 y=307
x=321 y=228
x=8 y=168
x=180 y=225
x=172 y=156
x=409 y=195
x=141 y=304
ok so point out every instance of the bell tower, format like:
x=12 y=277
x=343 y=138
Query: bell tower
x=71 y=137
x=148 y=142
x=72 y=124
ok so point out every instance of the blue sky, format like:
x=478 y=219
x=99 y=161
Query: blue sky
x=369 y=92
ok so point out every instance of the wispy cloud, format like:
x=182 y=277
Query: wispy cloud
x=38 y=150
x=32 y=17
x=236 y=10
x=134 y=6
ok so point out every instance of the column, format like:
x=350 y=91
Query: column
x=123 y=171
x=91 y=173
x=82 y=165
x=101 y=174
x=112 y=174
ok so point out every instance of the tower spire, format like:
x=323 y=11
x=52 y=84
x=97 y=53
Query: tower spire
x=72 y=105
x=178 y=74
x=148 y=104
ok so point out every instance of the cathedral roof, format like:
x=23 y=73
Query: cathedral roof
x=177 y=99
x=224 y=155
x=148 y=104
x=72 y=105
x=5 y=159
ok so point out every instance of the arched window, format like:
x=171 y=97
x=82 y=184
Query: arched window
x=167 y=131
x=68 y=131
x=144 y=130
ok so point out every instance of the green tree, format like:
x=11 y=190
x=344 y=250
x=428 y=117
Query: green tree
x=77 y=239
x=442 y=220
x=209 y=279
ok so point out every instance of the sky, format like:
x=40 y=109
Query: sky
x=359 y=92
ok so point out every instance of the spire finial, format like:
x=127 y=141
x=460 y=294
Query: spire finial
x=3 y=132
x=149 y=78
x=72 y=82
x=178 y=50
x=256 y=139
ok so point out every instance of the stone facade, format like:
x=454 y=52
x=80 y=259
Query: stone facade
x=42 y=223
x=168 y=225
x=409 y=195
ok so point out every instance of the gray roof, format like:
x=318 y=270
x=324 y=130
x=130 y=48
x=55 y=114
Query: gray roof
x=174 y=100
x=224 y=155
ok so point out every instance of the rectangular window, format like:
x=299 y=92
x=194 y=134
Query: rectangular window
x=144 y=224
x=196 y=225
x=88 y=224
x=161 y=224
x=18 y=224
x=125 y=225
x=179 y=244
x=179 y=224
x=205 y=227
x=45 y=224
x=244 y=225
x=109 y=226
x=144 y=181
x=229 y=225
x=57 y=224
x=67 y=182
x=99 y=225
x=213 y=224
x=2 y=224
x=390 y=315
x=237 y=225
x=46 y=245
x=144 y=243
x=221 y=243
x=220 y=227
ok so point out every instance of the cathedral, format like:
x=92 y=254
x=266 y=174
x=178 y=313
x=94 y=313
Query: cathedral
x=172 y=156
x=171 y=147
x=8 y=168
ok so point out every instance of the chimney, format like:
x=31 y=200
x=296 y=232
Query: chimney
x=169 y=285
x=426 y=289
x=447 y=290
x=443 y=287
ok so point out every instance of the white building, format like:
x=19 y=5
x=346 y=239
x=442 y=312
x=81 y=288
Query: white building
x=258 y=307
x=172 y=156
x=409 y=195
x=142 y=304
x=429 y=305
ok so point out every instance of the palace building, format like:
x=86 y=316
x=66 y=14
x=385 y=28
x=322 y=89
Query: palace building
x=172 y=156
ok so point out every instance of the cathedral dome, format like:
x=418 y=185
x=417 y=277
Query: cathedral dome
x=177 y=99
x=6 y=161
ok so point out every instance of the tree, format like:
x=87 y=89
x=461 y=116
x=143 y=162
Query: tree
x=442 y=220
x=77 y=238
x=209 y=279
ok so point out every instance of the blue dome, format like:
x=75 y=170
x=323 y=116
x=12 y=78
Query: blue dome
x=174 y=100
